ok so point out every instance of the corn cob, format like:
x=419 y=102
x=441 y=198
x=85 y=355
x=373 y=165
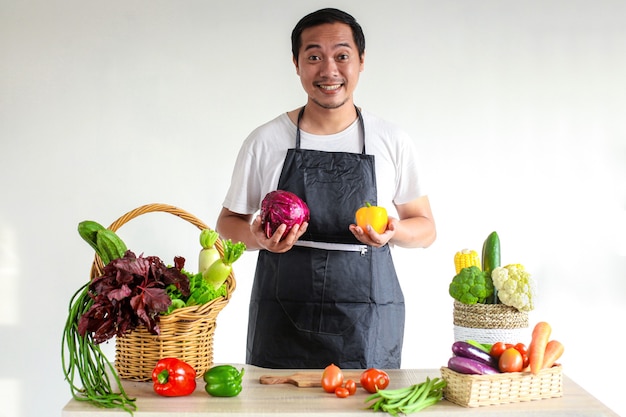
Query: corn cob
x=465 y=259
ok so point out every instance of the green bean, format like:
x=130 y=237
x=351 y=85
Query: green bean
x=413 y=393
x=408 y=400
x=83 y=359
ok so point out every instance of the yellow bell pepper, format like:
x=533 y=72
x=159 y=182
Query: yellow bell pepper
x=374 y=216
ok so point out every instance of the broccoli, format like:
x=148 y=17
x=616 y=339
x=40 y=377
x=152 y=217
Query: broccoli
x=515 y=286
x=471 y=286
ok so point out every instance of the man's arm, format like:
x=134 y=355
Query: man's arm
x=415 y=227
x=236 y=227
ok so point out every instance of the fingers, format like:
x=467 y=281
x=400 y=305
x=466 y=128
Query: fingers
x=370 y=237
x=279 y=242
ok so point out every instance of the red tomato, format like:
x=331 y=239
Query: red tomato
x=521 y=348
x=351 y=386
x=373 y=379
x=511 y=361
x=332 y=378
x=342 y=392
x=497 y=349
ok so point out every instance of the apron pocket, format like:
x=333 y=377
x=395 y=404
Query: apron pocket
x=324 y=291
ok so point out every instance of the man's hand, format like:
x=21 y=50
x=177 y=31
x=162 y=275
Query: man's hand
x=371 y=238
x=274 y=243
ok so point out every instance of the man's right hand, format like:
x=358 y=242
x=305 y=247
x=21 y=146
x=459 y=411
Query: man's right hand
x=276 y=243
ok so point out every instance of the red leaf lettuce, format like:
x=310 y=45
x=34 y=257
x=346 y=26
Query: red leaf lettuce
x=131 y=292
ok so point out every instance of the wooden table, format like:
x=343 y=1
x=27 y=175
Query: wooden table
x=261 y=400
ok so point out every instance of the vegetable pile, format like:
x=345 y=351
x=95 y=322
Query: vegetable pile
x=490 y=283
x=470 y=357
x=404 y=400
x=132 y=291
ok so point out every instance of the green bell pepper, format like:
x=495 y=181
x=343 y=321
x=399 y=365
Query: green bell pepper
x=223 y=381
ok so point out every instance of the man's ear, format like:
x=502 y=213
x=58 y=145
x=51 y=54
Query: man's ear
x=362 y=62
x=295 y=63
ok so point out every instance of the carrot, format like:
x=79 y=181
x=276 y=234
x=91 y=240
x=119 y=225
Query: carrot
x=554 y=350
x=537 y=348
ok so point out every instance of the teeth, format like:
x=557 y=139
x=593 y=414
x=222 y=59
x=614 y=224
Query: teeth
x=330 y=87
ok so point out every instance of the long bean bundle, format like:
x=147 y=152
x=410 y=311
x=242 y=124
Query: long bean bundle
x=408 y=400
x=82 y=358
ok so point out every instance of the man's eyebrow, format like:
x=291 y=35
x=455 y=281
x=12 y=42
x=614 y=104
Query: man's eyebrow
x=339 y=45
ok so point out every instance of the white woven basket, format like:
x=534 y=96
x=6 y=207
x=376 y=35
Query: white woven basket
x=491 y=336
x=489 y=323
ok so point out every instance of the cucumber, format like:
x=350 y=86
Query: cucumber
x=110 y=246
x=88 y=230
x=491 y=259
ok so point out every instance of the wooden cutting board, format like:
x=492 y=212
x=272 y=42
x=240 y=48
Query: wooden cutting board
x=306 y=379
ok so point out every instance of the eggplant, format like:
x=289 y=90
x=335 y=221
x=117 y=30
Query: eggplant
x=470 y=366
x=469 y=351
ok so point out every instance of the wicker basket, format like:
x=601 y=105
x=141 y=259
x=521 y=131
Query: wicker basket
x=489 y=323
x=187 y=333
x=511 y=387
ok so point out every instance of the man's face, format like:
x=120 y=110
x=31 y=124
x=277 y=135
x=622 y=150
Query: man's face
x=329 y=64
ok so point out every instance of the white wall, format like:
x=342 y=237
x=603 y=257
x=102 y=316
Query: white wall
x=517 y=108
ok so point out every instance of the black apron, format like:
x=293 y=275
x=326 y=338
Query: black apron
x=313 y=306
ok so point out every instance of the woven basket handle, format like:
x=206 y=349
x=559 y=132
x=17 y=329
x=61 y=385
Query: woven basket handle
x=150 y=208
x=98 y=267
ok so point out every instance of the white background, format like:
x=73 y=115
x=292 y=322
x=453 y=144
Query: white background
x=517 y=109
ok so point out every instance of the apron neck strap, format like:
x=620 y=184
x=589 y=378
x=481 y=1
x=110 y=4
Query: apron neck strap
x=361 y=123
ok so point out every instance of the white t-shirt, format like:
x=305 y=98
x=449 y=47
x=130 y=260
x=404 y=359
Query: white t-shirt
x=261 y=157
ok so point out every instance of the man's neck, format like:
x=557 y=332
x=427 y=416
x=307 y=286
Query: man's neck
x=320 y=121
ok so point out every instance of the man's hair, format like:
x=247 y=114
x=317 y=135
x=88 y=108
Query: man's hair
x=321 y=17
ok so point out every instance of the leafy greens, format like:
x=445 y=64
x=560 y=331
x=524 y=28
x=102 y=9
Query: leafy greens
x=200 y=292
x=131 y=292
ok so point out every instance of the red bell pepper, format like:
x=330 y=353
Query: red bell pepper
x=173 y=377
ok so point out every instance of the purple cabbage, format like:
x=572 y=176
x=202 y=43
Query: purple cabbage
x=282 y=207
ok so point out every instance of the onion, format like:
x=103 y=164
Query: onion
x=282 y=207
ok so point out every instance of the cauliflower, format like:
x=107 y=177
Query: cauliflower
x=515 y=287
x=471 y=286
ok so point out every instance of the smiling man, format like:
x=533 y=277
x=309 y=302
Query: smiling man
x=327 y=291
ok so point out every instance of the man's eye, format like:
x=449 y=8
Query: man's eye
x=343 y=57
x=314 y=58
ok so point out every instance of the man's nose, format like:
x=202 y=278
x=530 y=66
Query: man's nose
x=329 y=67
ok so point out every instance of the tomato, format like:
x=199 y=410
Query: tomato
x=497 y=349
x=521 y=348
x=342 y=392
x=373 y=379
x=332 y=378
x=374 y=216
x=511 y=361
x=351 y=386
